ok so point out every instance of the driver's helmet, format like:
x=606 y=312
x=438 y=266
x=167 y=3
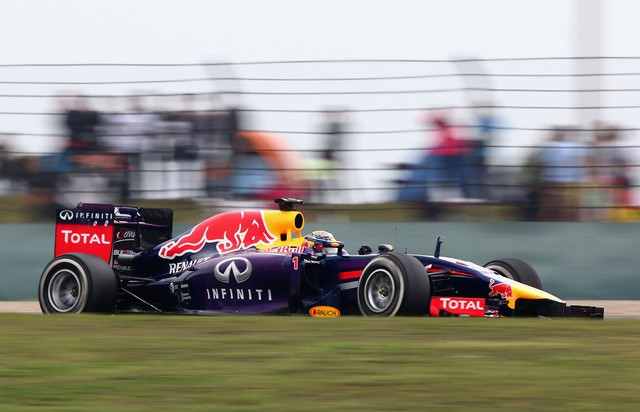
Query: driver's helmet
x=323 y=243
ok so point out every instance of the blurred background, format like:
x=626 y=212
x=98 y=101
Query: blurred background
x=187 y=107
x=513 y=122
x=509 y=128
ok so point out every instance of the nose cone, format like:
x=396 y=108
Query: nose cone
x=522 y=291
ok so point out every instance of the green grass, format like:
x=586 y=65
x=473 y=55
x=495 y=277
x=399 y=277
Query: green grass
x=158 y=363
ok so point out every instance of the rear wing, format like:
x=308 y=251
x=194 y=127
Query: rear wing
x=85 y=229
x=105 y=230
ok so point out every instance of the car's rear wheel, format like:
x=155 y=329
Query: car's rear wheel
x=517 y=270
x=77 y=283
x=394 y=284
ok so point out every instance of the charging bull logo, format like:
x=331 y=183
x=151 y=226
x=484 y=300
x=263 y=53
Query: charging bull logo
x=500 y=289
x=232 y=231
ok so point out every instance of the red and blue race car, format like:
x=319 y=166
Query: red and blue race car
x=125 y=259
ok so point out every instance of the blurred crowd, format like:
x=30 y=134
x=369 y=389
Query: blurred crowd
x=198 y=149
x=569 y=176
x=579 y=178
x=202 y=149
x=120 y=154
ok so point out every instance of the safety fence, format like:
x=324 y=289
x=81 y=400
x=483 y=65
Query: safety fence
x=388 y=152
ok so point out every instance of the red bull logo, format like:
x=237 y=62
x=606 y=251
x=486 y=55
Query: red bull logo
x=500 y=289
x=231 y=230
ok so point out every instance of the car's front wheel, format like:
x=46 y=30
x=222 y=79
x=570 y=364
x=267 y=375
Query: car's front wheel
x=394 y=284
x=77 y=283
x=517 y=270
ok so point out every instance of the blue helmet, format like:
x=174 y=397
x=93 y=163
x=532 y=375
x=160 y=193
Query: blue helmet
x=323 y=242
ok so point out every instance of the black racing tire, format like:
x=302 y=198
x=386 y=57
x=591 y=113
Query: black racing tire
x=404 y=279
x=517 y=270
x=76 y=283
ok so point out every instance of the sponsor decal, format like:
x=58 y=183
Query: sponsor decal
x=179 y=267
x=93 y=215
x=125 y=235
x=500 y=289
x=324 y=312
x=286 y=249
x=295 y=262
x=66 y=214
x=231 y=231
x=457 y=306
x=86 y=217
x=237 y=267
x=239 y=294
x=94 y=240
x=79 y=238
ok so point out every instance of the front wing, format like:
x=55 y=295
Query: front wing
x=487 y=307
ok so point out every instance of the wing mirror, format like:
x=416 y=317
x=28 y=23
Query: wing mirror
x=385 y=248
x=439 y=242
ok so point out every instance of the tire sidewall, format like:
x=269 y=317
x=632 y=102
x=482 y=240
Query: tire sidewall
x=99 y=284
x=518 y=270
x=381 y=263
x=504 y=270
x=77 y=268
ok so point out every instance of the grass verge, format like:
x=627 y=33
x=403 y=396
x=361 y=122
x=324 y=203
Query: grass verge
x=157 y=363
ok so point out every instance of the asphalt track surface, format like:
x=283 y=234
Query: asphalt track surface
x=613 y=309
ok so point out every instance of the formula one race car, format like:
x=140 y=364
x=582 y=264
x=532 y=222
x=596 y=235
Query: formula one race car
x=124 y=259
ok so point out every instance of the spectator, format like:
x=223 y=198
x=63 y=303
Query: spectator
x=231 y=125
x=562 y=162
x=534 y=186
x=229 y=149
x=335 y=130
x=82 y=123
x=321 y=176
x=596 y=196
x=187 y=142
x=476 y=160
x=610 y=170
x=129 y=135
x=73 y=173
x=215 y=143
x=5 y=178
x=447 y=157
